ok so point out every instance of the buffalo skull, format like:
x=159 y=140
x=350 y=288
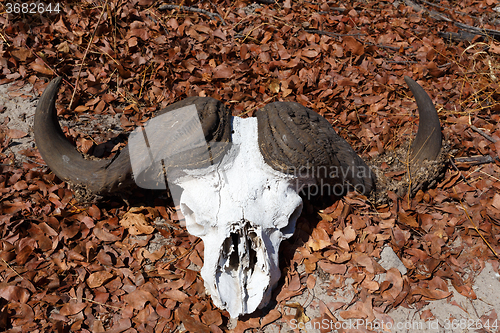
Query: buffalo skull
x=239 y=179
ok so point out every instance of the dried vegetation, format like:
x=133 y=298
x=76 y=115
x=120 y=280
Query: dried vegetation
x=66 y=266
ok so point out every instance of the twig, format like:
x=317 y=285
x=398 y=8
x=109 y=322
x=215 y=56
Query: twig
x=195 y=10
x=457 y=36
x=433 y=4
x=442 y=7
x=487 y=174
x=6 y=263
x=36 y=55
x=85 y=54
x=416 y=7
x=468 y=28
x=21 y=157
x=5 y=40
x=238 y=35
x=476 y=160
x=257 y=27
x=267 y=2
x=256 y=106
x=95 y=302
x=329 y=33
x=339 y=9
x=483 y=31
x=334 y=34
x=461 y=175
x=475 y=227
x=395 y=48
x=406 y=62
x=189 y=251
x=477 y=130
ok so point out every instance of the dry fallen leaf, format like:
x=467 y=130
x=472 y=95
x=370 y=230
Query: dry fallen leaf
x=16 y=134
x=272 y=316
x=72 y=308
x=97 y=279
x=41 y=68
x=21 y=53
x=190 y=323
x=274 y=86
x=300 y=315
x=319 y=239
x=353 y=45
x=137 y=223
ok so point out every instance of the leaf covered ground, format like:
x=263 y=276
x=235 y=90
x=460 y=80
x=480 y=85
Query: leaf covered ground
x=130 y=266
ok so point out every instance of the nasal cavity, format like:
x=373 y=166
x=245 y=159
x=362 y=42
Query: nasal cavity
x=240 y=248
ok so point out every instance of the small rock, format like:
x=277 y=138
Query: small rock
x=389 y=259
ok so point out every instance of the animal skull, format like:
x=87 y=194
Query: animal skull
x=240 y=178
x=242 y=209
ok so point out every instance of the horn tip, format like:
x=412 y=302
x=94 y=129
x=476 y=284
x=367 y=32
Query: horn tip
x=410 y=82
x=56 y=81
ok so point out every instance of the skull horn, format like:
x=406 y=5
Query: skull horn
x=427 y=144
x=296 y=140
x=97 y=176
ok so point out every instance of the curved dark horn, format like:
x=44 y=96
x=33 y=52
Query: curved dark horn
x=98 y=176
x=109 y=175
x=427 y=144
x=296 y=140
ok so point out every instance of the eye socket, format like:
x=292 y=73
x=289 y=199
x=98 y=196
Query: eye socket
x=289 y=229
x=194 y=228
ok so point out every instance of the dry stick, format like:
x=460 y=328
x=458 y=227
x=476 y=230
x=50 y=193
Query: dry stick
x=182 y=255
x=475 y=227
x=482 y=32
x=442 y=7
x=433 y=4
x=408 y=170
x=333 y=34
x=230 y=10
x=85 y=54
x=402 y=62
x=4 y=40
x=144 y=79
x=461 y=175
x=477 y=130
x=45 y=63
x=395 y=48
x=95 y=302
x=487 y=174
x=267 y=2
x=476 y=160
x=339 y=9
x=258 y=105
x=10 y=267
x=458 y=36
x=194 y=9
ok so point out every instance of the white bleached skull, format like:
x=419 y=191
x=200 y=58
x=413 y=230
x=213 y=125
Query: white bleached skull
x=242 y=209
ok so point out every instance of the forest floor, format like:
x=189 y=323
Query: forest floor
x=423 y=264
